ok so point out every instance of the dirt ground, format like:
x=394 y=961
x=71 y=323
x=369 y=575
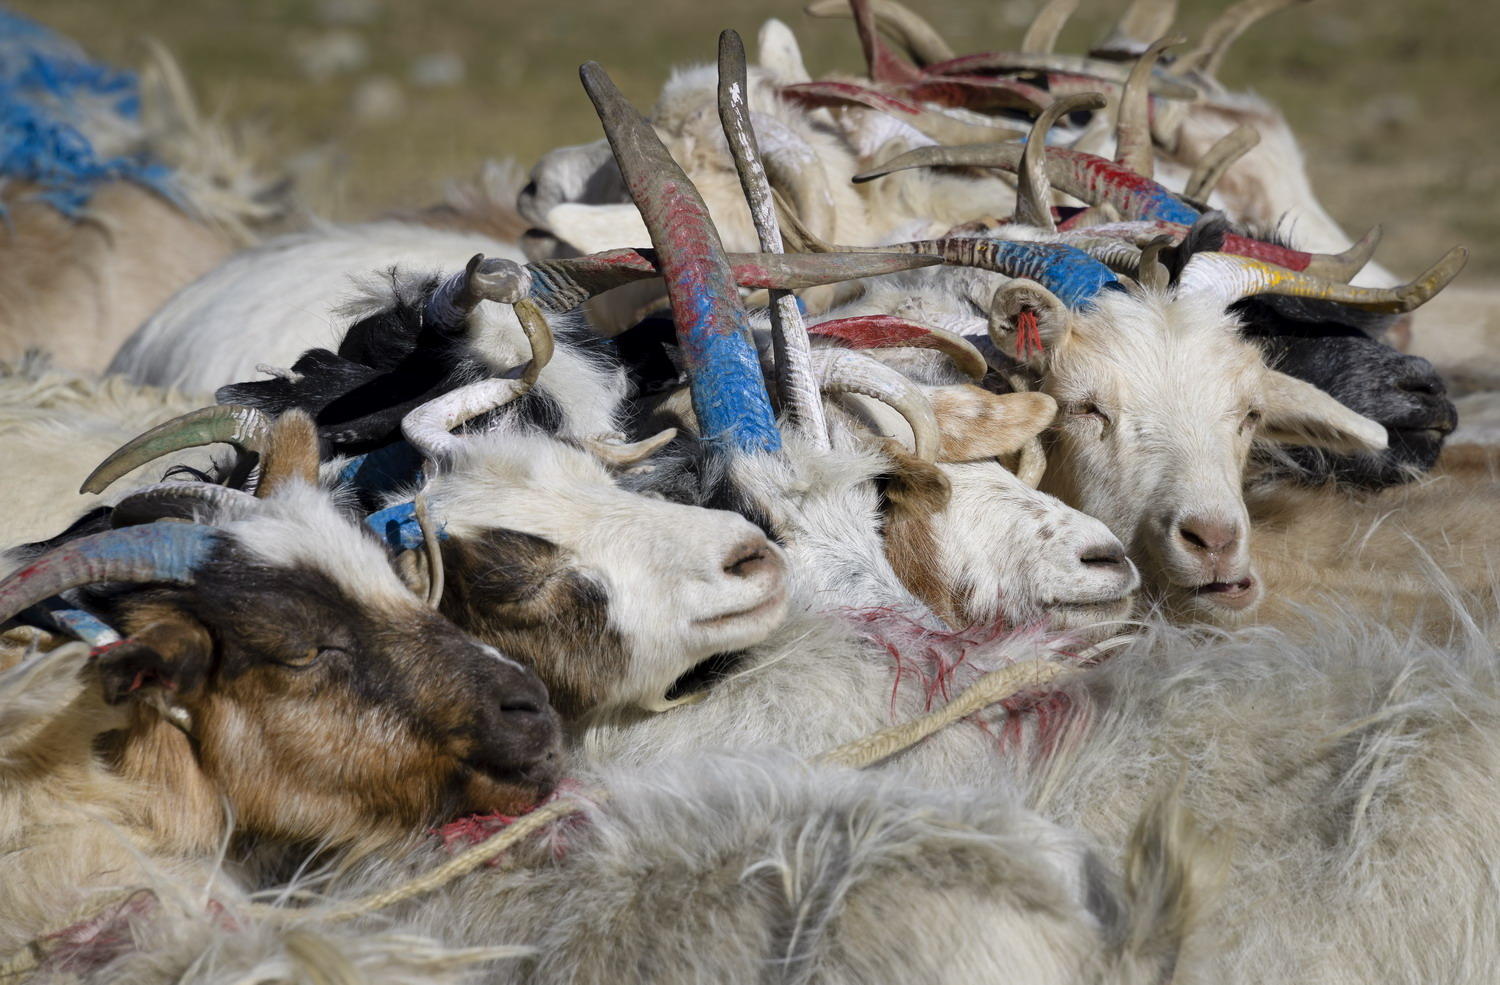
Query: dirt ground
x=380 y=101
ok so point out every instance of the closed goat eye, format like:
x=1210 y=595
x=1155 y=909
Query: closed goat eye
x=310 y=656
x=1087 y=409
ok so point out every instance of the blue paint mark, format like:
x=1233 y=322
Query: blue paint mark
x=1164 y=205
x=1068 y=272
x=729 y=393
x=397 y=526
x=56 y=105
x=56 y=616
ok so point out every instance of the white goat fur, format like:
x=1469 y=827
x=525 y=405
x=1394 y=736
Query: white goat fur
x=55 y=426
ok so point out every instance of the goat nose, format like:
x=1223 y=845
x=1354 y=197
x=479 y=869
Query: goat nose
x=1103 y=557
x=749 y=558
x=1208 y=535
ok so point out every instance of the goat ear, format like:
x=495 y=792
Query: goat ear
x=778 y=52
x=170 y=654
x=976 y=424
x=1297 y=413
x=1027 y=321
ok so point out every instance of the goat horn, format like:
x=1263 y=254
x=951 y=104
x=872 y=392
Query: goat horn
x=1150 y=271
x=431 y=549
x=1032 y=462
x=246 y=428
x=1114 y=73
x=791 y=349
x=427 y=428
x=1343 y=266
x=900 y=23
x=1091 y=179
x=482 y=279
x=1142 y=21
x=156 y=552
x=889 y=332
x=790 y=162
x=1220 y=158
x=183 y=501
x=1218 y=36
x=625 y=454
x=881 y=62
x=842 y=371
x=936 y=124
x=1231 y=278
x=562 y=285
x=729 y=393
x=1133 y=131
x=1034 y=191
x=1097 y=242
x=1041 y=36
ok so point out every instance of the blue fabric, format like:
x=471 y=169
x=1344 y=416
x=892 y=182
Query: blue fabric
x=383 y=471
x=55 y=103
x=397 y=526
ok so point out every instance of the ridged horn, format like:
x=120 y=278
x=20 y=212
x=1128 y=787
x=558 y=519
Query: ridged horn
x=1220 y=158
x=157 y=552
x=890 y=332
x=792 y=352
x=1114 y=73
x=183 y=501
x=1041 y=36
x=1034 y=191
x=1094 y=180
x=901 y=24
x=246 y=428
x=729 y=394
x=1208 y=55
x=482 y=279
x=562 y=285
x=1133 y=148
x=1230 y=278
x=841 y=371
x=1104 y=241
x=427 y=428
x=622 y=454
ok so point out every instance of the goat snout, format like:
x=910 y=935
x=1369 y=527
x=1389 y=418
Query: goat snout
x=750 y=558
x=516 y=734
x=1208 y=537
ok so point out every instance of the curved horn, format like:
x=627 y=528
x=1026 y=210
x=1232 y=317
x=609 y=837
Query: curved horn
x=1220 y=158
x=1091 y=179
x=427 y=427
x=482 y=279
x=1034 y=191
x=890 y=332
x=841 y=371
x=1031 y=465
x=183 y=501
x=431 y=550
x=900 y=23
x=882 y=63
x=791 y=349
x=729 y=394
x=1142 y=21
x=1218 y=36
x=246 y=428
x=1343 y=266
x=935 y=123
x=1150 y=271
x=157 y=552
x=1133 y=131
x=1231 y=278
x=1041 y=36
x=1093 y=69
x=619 y=454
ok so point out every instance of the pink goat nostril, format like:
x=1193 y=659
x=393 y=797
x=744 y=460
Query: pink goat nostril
x=1207 y=535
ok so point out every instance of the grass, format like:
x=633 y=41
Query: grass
x=1390 y=97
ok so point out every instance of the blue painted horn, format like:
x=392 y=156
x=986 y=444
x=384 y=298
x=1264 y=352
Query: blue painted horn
x=729 y=393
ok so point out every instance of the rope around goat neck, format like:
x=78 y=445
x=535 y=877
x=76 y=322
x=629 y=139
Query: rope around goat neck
x=990 y=689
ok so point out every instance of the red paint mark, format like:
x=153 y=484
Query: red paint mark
x=873 y=332
x=814 y=95
x=104 y=648
x=93 y=943
x=1028 y=334
x=465 y=832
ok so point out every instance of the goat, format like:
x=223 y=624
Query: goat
x=276 y=671
x=118 y=194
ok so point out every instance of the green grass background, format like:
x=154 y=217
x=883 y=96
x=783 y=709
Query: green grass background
x=1394 y=100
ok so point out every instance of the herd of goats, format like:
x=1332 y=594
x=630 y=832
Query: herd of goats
x=940 y=526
